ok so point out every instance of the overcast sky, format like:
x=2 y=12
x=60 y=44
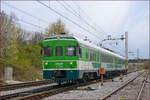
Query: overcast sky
x=99 y=18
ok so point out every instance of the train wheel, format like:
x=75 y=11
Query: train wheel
x=77 y=81
x=85 y=77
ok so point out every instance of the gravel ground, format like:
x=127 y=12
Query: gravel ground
x=23 y=89
x=94 y=91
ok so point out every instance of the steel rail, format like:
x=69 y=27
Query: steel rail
x=52 y=92
x=141 y=89
x=121 y=87
x=23 y=85
x=28 y=92
x=44 y=91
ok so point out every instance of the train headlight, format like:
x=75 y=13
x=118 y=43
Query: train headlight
x=71 y=63
x=46 y=63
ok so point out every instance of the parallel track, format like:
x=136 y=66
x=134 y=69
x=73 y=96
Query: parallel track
x=23 y=85
x=141 y=89
x=121 y=87
x=43 y=92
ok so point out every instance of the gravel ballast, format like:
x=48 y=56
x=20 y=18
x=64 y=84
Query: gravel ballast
x=130 y=91
x=95 y=91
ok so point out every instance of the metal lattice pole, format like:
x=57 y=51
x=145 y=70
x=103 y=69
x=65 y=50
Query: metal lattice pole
x=126 y=47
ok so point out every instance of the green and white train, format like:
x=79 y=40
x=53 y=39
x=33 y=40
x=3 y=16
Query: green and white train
x=69 y=59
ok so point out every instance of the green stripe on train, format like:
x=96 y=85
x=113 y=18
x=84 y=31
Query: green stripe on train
x=113 y=66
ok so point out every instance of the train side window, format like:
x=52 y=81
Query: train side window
x=48 y=51
x=107 y=58
x=98 y=56
x=71 y=51
x=90 y=56
x=80 y=52
x=94 y=56
x=87 y=54
x=59 y=51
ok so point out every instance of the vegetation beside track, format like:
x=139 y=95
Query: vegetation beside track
x=21 y=48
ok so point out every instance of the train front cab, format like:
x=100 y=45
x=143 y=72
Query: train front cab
x=60 y=61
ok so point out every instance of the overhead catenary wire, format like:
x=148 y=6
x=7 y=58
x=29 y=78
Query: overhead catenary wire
x=26 y=13
x=67 y=8
x=82 y=19
x=91 y=19
x=31 y=24
x=76 y=14
x=117 y=48
x=61 y=14
x=69 y=11
x=26 y=22
x=96 y=24
x=88 y=17
x=70 y=7
x=65 y=17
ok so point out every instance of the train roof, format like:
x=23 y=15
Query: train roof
x=90 y=44
x=81 y=41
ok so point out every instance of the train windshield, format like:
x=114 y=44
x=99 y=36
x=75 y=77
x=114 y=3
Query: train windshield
x=48 y=51
x=71 y=51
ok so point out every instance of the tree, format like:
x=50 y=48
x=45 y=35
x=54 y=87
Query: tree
x=9 y=38
x=36 y=38
x=19 y=50
x=56 y=28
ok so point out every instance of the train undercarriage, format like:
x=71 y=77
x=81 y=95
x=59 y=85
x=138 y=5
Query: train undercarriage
x=76 y=76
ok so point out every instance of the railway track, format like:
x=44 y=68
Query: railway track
x=123 y=86
x=142 y=88
x=23 y=85
x=27 y=84
x=44 y=91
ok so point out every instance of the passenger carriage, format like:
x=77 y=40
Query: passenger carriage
x=67 y=58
